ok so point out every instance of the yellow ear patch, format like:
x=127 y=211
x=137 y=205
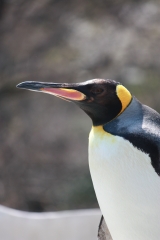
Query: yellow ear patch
x=124 y=96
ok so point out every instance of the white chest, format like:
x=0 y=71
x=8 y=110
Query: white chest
x=126 y=185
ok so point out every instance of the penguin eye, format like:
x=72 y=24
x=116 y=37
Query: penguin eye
x=96 y=90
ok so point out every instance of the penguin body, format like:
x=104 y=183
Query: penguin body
x=124 y=179
x=124 y=155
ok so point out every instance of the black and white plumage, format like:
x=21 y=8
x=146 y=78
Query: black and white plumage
x=124 y=155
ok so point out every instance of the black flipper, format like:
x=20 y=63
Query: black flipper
x=103 y=232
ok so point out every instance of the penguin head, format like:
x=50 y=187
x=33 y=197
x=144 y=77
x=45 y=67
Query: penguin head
x=103 y=100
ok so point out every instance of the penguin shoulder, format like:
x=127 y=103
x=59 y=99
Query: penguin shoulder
x=140 y=125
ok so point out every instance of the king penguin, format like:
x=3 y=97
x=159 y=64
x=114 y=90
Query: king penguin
x=124 y=155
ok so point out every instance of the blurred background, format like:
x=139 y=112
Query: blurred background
x=44 y=140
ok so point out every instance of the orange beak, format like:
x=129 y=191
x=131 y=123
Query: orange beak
x=69 y=94
x=64 y=91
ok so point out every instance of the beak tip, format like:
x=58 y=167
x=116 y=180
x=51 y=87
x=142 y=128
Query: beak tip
x=19 y=85
x=29 y=85
x=22 y=85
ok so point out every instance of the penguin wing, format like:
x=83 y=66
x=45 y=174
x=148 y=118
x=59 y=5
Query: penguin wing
x=103 y=232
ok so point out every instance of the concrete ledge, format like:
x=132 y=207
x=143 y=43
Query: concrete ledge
x=65 y=225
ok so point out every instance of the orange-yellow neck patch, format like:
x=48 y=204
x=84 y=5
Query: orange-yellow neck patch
x=99 y=135
x=98 y=130
x=124 y=96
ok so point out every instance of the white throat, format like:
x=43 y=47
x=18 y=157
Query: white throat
x=126 y=186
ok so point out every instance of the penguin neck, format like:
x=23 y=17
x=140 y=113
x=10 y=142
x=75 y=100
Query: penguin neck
x=125 y=119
